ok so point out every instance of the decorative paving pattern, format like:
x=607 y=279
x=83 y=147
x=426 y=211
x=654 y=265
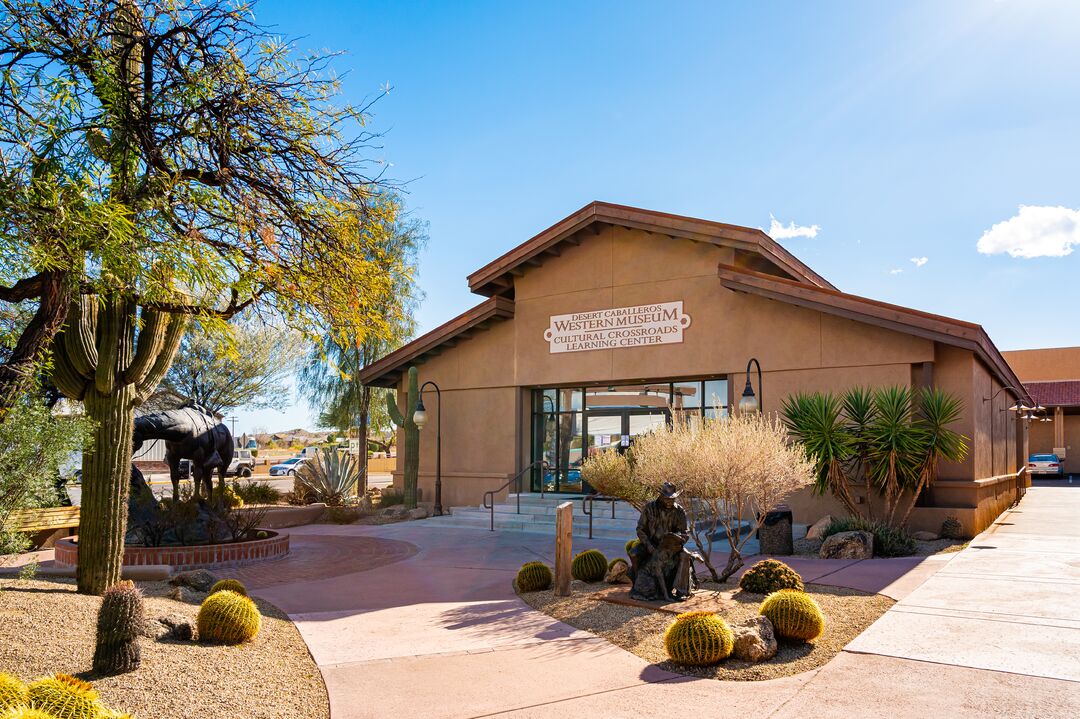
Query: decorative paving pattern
x=313 y=557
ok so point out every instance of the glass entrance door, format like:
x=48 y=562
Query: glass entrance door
x=610 y=429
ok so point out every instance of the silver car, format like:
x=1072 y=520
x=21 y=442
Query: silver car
x=1045 y=464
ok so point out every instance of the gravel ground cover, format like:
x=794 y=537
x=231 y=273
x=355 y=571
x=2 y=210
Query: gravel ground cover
x=641 y=631
x=46 y=627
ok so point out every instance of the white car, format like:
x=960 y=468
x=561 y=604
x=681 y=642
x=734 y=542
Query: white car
x=1045 y=464
x=243 y=464
x=288 y=467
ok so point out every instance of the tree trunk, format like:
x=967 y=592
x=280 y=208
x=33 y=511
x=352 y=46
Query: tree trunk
x=734 y=564
x=17 y=374
x=362 y=433
x=106 y=478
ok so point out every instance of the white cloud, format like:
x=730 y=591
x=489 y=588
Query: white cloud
x=1034 y=231
x=896 y=271
x=780 y=231
x=919 y=261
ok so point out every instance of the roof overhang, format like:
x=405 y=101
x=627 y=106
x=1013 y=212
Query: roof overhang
x=387 y=371
x=497 y=277
x=938 y=328
x=1055 y=393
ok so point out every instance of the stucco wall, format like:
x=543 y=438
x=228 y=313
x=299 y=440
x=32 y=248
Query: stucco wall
x=1041 y=365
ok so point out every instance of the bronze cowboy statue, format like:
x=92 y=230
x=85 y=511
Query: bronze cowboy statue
x=662 y=569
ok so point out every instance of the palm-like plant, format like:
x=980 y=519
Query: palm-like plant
x=890 y=440
x=332 y=477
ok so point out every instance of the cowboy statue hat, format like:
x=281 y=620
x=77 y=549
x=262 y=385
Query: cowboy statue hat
x=669 y=490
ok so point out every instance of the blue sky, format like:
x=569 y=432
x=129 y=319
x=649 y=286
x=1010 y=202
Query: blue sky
x=902 y=131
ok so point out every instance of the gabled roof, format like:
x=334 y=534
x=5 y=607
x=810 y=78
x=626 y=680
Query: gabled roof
x=387 y=371
x=497 y=277
x=1060 y=393
x=938 y=328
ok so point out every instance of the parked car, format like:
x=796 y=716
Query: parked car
x=1045 y=464
x=288 y=467
x=243 y=464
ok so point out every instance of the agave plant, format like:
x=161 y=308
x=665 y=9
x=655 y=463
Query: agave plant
x=331 y=478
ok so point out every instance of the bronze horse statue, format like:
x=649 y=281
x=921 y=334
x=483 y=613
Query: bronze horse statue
x=190 y=432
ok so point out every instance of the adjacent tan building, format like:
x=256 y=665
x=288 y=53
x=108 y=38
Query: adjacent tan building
x=1052 y=378
x=601 y=326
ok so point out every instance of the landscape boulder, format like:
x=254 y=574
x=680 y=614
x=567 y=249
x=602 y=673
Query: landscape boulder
x=198 y=579
x=925 y=536
x=818 y=528
x=617 y=573
x=755 y=640
x=170 y=626
x=418 y=513
x=848 y=545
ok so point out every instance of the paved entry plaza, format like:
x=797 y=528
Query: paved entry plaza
x=409 y=620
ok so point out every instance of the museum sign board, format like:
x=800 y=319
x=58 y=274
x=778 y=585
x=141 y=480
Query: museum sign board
x=616 y=328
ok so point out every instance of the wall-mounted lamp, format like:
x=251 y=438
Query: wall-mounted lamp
x=749 y=402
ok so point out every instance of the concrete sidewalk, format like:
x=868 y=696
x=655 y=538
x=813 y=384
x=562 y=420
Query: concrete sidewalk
x=442 y=634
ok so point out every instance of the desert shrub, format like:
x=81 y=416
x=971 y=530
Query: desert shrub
x=229 y=585
x=344 y=515
x=391 y=496
x=768 y=576
x=256 y=493
x=589 y=566
x=952 y=529
x=610 y=473
x=888 y=541
x=228 y=497
x=65 y=697
x=333 y=477
x=12 y=692
x=698 y=638
x=229 y=618
x=794 y=615
x=533 y=577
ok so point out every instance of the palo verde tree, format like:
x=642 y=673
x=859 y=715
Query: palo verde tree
x=204 y=167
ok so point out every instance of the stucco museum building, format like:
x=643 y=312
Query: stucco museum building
x=605 y=324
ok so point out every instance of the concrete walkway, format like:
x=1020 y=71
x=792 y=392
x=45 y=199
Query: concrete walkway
x=993 y=630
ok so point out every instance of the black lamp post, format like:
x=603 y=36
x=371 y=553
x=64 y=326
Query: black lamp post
x=748 y=402
x=420 y=418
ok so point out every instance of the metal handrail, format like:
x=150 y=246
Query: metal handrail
x=586 y=506
x=516 y=478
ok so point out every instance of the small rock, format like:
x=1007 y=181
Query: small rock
x=755 y=640
x=925 y=536
x=848 y=545
x=398 y=510
x=171 y=626
x=418 y=513
x=617 y=574
x=814 y=531
x=176 y=593
x=199 y=579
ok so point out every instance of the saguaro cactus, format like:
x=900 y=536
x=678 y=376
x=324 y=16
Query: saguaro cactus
x=96 y=361
x=411 y=443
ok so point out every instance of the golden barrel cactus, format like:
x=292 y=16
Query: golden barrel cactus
x=228 y=618
x=12 y=692
x=589 y=566
x=533 y=577
x=768 y=576
x=65 y=697
x=229 y=585
x=25 y=712
x=699 y=639
x=794 y=615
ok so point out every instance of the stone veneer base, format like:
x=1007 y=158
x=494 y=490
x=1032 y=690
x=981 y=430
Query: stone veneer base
x=66 y=553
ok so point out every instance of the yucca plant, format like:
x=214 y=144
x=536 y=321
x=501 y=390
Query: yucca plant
x=332 y=477
x=889 y=440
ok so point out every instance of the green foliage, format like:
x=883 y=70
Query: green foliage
x=951 y=528
x=888 y=440
x=332 y=477
x=698 y=639
x=13 y=692
x=247 y=366
x=533 y=577
x=794 y=615
x=631 y=544
x=229 y=585
x=34 y=445
x=768 y=576
x=65 y=697
x=888 y=541
x=589 y=566
x=229 y=498
x=228 y=618
x=256 y=492
x=120 y=622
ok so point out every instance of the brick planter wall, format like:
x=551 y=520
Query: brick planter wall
x=206 y=555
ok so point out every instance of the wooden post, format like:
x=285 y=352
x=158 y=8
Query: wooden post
x=564 y=527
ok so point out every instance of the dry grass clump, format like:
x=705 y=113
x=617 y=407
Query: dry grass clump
x=641 y=631
x=46 y=627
